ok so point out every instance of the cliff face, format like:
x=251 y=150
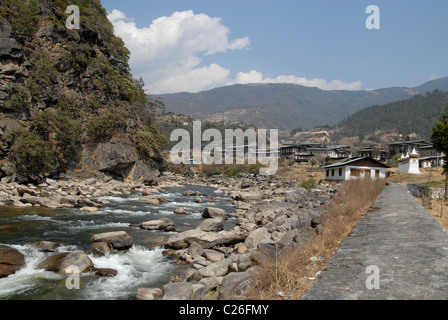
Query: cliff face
x=68 y=103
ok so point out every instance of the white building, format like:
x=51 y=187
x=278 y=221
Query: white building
x=432 y=161
x=365 y=167
x=409 y=163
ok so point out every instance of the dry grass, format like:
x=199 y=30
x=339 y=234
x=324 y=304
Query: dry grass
x=439 y=210
x=294 y=270
x=430 y=177
x=300 y=172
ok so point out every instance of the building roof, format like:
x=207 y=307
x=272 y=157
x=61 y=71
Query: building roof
x=432 y=158
x=321 y=149
x=411 y=142
x=365 y=161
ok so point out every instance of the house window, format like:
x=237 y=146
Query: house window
x=340 y=171
x=355 y=172
x=368 y=174
x=328 y=173
x=377 y=173
x=332 y=172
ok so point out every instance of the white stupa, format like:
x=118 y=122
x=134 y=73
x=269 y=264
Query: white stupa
x=409 y=163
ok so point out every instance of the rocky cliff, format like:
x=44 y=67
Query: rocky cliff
x=68 y=102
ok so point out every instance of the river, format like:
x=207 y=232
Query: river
x=144 y=265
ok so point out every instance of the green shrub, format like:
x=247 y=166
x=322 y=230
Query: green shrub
x=24 y=15
x=107 y=123
x=309 y=184
x=91 y=103
x=78 y=56
x=150 y=140
x=230 y=170
x=29 y=152
x=43 y=71
x=70 y=106
x=64 y=133
x=19 y=99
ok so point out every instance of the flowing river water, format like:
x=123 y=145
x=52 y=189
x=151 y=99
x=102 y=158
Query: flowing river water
x=144 y=265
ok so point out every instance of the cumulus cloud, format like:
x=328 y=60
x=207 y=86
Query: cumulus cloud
x=168 y=53
x=257 y=77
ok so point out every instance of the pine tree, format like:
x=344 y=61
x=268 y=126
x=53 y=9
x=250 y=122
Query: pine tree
x=440 y=140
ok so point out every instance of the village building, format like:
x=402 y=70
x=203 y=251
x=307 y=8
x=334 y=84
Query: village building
x=374 y=153
x=333 y=153
x=405 y=146
x=297 y=152
x=432 y=161
x=289 y=151
x=306 y=152
x=427 y=151
x=356 y=168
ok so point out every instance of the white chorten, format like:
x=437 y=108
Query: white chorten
x=410 y=163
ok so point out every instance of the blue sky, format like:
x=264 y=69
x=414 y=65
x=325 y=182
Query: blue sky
x=211 y=43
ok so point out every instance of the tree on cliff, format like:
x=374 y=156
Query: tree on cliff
x=440 y=140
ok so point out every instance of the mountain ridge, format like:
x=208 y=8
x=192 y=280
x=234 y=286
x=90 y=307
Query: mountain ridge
x=286 y=106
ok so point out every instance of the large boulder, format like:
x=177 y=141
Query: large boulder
x=217 y=269
x=45 y=246
x=9 y=48
x=211 y=212
x=257 y=237
x=235 y=285
x=119 y=240
x=102 y=248
x=205 y=239
x=119 y=159
x=11 y=260
x=160 y=224
x=211 y=225
x=247 y=196
x=178 y=291
x=148 y=294
x=60 y=263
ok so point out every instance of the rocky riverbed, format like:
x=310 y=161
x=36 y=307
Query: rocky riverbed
x=269 y=215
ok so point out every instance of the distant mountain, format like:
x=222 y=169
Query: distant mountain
x=286 y=106
x=414 y=117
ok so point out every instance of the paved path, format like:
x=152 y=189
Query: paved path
x=403 y=240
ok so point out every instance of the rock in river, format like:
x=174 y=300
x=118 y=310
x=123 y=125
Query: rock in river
x=119 y=240
x=205 y=239
x=11 y=260
x=211 y=212
x=60 y=262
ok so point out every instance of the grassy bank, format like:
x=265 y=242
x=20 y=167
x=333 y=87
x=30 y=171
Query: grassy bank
x=438 y=209
x=428 y=177
x=293 y=271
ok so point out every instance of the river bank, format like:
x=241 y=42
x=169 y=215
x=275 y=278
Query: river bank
x=236 y=228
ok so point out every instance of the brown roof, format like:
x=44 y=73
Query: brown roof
x=365 y=162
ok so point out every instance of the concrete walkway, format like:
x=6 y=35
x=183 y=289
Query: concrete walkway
x=406 y=244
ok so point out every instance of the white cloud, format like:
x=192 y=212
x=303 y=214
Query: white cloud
x=195 y=80
x=168 y=53
x=257 y=77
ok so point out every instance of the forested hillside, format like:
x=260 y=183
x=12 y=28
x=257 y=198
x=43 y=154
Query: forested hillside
x=286 y=106
x=412 y=117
